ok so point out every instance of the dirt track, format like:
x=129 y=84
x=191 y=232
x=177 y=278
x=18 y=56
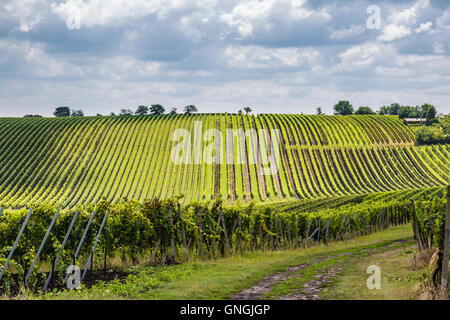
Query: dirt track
x=317 y=284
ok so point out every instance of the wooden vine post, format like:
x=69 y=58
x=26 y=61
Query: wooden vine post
x=326 y=232
x=446 y=245
x=250 y=244
x=200 y=234
x=183 y=233
x=227 y=241
x=213 y=242
x=271 y=241
x=239 y=246
x=172 y=236
x=289 y=234
x=307 y=234
x=318 y=234
x=261 y=243
x=282 y=235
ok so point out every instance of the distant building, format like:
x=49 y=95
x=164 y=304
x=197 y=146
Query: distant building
x=415 y=120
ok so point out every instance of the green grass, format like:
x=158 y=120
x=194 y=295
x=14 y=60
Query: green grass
x=217 y=279
x=399 y=279
x=301 y=277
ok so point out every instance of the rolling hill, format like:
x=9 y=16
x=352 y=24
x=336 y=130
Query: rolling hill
x=79 y=160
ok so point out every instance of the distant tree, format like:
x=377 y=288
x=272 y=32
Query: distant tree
x=62 y=112
x=240 y=112
x=383 y=110
x=319 y=111
x=99 y=115
x=141 y=111
x=405 y=112
x=364 y=110
x=125 y=112
x=343 y=108
x=248 y=110
x=429 y=111
x=32 y=116
x=190 y=109
x=432 y=135
x=391 y=110
x=112 y=114
x=77 y=113
x=394 y=109
x=173 y=111
x=157 y=109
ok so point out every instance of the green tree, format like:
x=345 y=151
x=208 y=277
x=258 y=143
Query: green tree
x=190 y=109
x=125 y=112
x=248 y=110
x=157 y=109
x=391 y=110
x=343 y=108
x=141 y=111
x=430 y=114
x=240 y=112
x=32 y=116
x=319 y=111
x=62 y=112
x=364 y=110
x=77 y=113
x=173 y=111
x=405 y=112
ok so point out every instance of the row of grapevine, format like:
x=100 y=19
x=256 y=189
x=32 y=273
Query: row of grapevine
x=173 y=232
x=66 y=162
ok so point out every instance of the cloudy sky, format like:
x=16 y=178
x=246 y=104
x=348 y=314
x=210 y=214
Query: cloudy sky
x=285 y=56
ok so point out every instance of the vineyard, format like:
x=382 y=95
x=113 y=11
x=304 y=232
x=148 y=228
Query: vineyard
x=165 y=231
x=70 y=161
x=91 y=190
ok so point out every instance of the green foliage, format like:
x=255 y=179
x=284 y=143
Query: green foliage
x=429 y=221
x=425 y=111
x=248 y=110
x=364 y=110
x=157 y=109
x=391 y=110
x=430 y=112
x=190 y=109
x=432 y=135
x=142 y=110
x=62 y=112
x=77 y=113
x=343 y=108
x=125 y=112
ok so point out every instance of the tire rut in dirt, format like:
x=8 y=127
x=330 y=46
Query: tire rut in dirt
x=313 y=287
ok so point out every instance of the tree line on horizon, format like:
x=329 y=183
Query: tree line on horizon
x=425 y=111
x=343 y=108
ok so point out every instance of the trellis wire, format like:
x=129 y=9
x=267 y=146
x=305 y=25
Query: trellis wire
x=95 y=245
x=50 y=274
x=15 y=243
x=41 y=247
